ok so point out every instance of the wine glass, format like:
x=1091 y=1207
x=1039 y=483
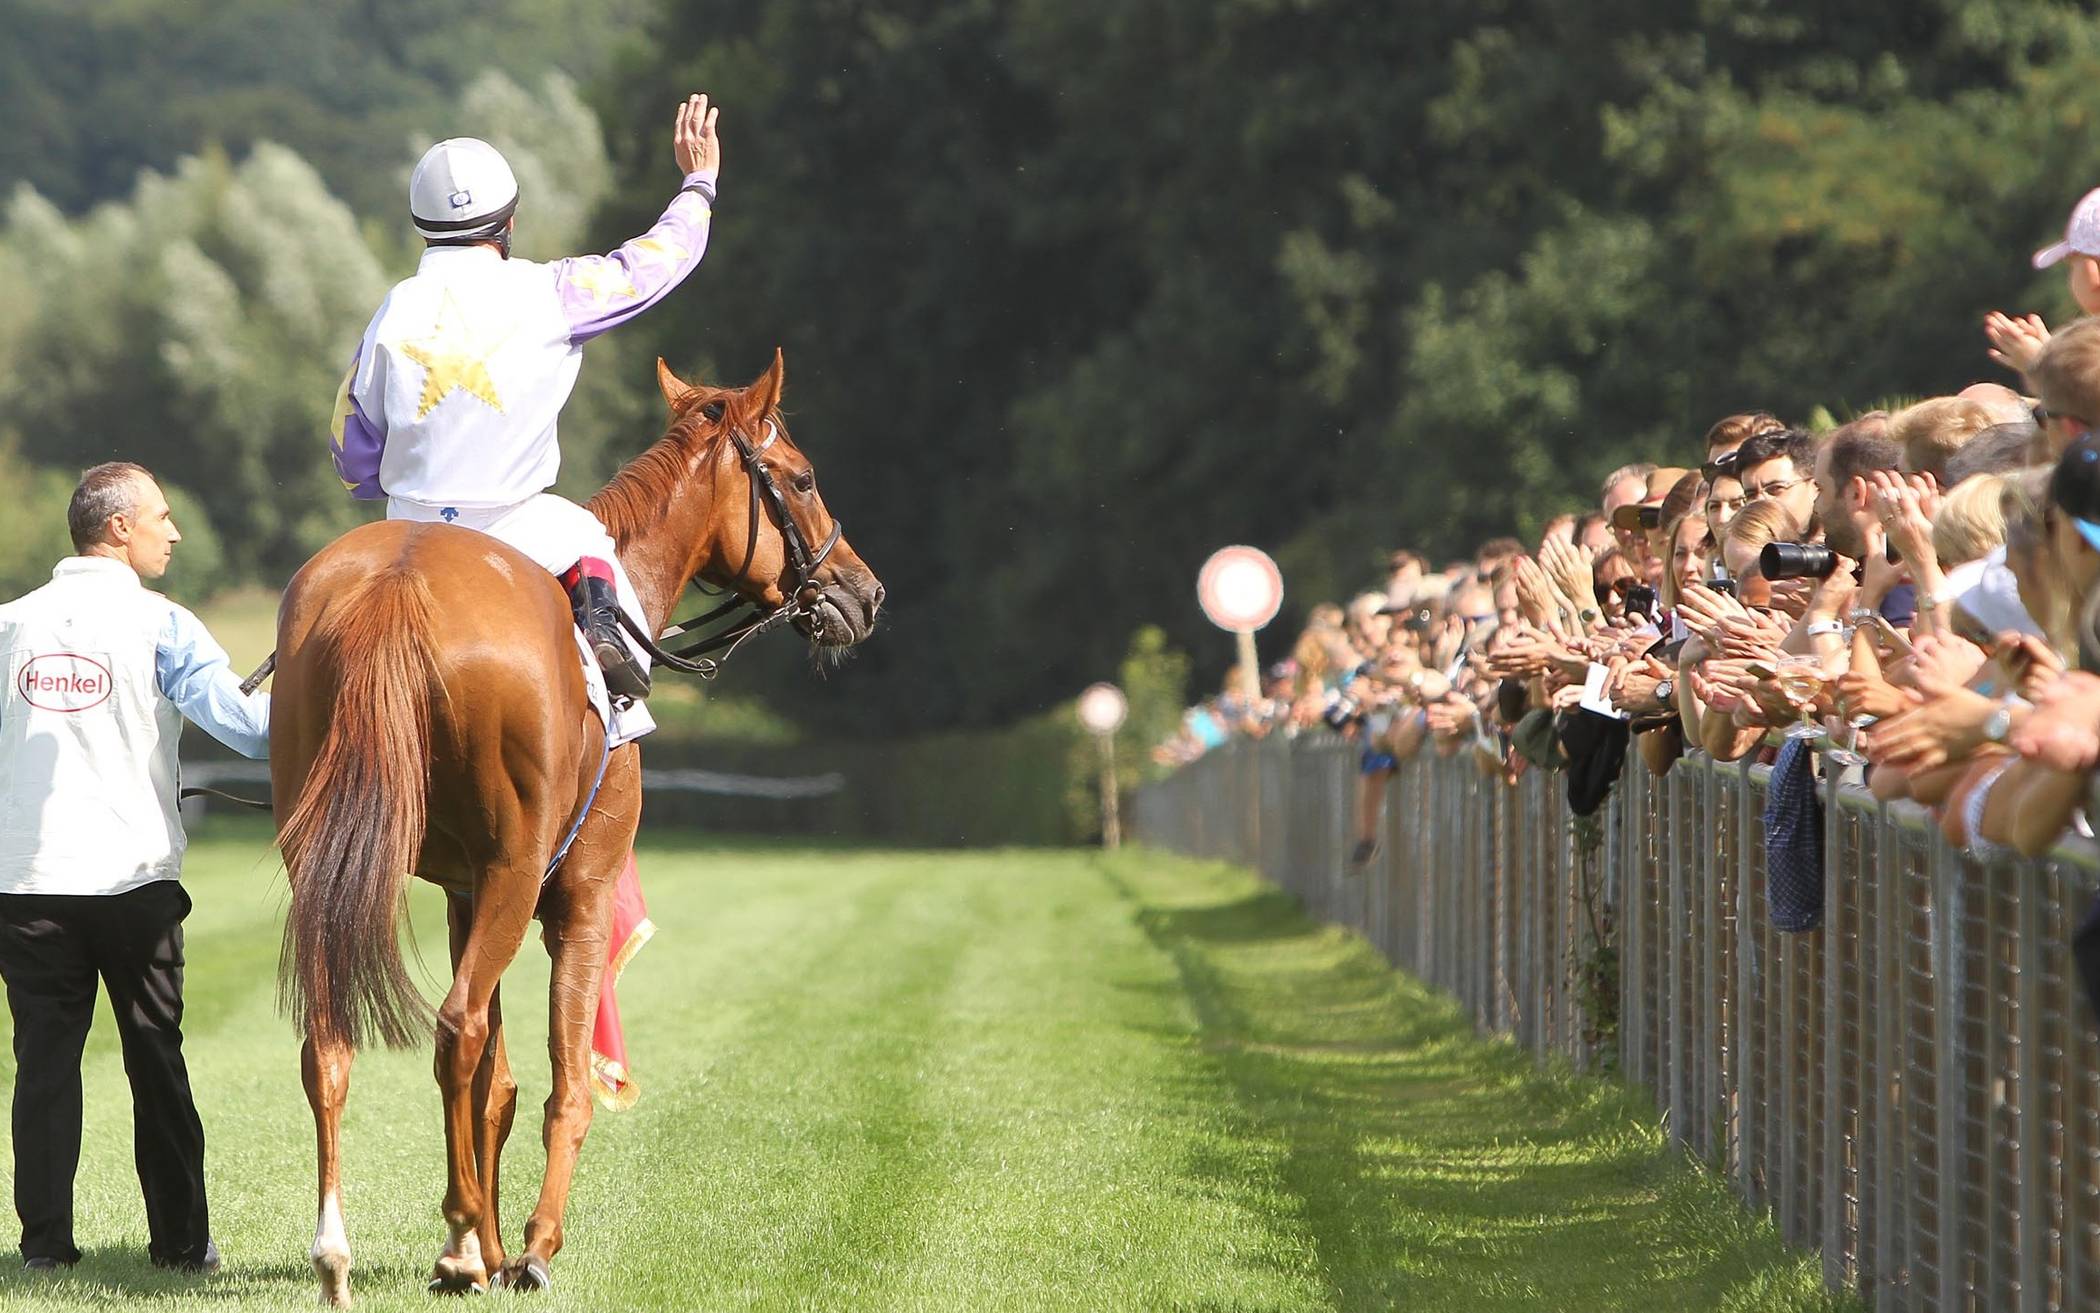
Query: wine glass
x=1800 y=680
x=1850 y=755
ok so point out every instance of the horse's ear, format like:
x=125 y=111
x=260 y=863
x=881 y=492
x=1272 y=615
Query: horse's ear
x=675 y=389
x=765 y=393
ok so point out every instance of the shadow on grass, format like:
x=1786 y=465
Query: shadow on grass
x=1429 y=1168
x=123 y=1274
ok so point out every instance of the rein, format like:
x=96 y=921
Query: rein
x=806 y=563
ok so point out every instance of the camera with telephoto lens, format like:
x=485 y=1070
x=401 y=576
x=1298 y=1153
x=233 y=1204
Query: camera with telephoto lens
x=1796 y=561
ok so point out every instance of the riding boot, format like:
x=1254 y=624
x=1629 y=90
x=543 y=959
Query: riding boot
x=598 y=615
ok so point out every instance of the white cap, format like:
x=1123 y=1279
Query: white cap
x=462 y=187
x=2081 y=235
x=1986 y=589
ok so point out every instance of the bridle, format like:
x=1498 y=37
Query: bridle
x=802 y=598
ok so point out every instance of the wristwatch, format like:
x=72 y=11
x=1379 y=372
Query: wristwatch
x=1665 y=689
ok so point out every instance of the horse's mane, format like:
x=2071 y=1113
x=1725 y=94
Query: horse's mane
x=645 y=487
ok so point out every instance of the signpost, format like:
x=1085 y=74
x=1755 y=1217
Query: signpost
x=1241 y=590
x=1101 y=711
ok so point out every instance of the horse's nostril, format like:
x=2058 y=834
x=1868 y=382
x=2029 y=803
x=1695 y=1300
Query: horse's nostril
x=875 y=601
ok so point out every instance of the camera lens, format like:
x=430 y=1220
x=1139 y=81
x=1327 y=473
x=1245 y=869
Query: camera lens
x=1796 y=561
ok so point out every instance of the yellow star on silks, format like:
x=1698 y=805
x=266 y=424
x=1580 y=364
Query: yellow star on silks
x=658 y=248
x=602 y=279
x=451 y=360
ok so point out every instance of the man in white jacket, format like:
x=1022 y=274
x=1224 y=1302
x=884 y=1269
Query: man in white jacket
x=100 y=673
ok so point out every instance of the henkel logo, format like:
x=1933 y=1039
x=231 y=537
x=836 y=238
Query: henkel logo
x=64 y=681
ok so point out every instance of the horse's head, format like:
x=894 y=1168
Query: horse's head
x=770 y=538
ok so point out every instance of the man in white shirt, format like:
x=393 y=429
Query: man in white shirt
x=100 y=673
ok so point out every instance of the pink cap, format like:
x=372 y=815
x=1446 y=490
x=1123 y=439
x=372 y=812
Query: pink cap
x=2081 y=235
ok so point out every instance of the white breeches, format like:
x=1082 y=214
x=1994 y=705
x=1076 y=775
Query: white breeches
x=554 y=531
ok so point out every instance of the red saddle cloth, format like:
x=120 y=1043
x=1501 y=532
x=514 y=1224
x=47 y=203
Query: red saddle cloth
x=610 y=1080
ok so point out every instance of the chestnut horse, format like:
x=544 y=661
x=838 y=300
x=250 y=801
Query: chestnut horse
x=429 y=718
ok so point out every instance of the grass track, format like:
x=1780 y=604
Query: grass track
x=892 y=1080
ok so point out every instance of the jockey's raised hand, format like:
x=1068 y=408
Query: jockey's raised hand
x=693 y=141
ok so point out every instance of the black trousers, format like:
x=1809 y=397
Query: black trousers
x=52 y=949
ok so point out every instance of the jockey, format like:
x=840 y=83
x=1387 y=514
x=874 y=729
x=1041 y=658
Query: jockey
x=449 y=407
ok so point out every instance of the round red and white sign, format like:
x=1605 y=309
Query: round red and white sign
x=1102 y=708
x=1240 y=588
x=64 y=681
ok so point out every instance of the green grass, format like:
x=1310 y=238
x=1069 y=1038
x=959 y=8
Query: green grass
x=899 y=1080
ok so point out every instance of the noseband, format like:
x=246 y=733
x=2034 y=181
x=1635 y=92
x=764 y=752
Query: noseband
x=802 y=599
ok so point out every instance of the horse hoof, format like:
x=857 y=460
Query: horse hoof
x=334 y=1272
x=451 y=1278
x=527 y=1273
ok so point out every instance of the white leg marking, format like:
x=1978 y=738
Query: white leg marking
x=330 y=1240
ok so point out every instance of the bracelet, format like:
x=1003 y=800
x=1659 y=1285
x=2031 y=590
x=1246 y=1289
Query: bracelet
x=1817 y=628
x=1864 y=613
x=702 y=188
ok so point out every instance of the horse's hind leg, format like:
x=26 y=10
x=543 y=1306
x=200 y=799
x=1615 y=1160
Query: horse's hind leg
x=495 y=1096
x=325 y=1064
x=502 y=911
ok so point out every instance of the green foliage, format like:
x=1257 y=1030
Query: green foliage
x=1071 y=293
x=203 y=327
x=36 y=519
x=95 y=94
x=1074 y=293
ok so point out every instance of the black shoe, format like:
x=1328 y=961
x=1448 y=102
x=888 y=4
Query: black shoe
x=204 y=1264
x=598 y=615
x=43 y=1263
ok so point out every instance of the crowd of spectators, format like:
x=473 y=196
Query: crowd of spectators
x=1909 y=595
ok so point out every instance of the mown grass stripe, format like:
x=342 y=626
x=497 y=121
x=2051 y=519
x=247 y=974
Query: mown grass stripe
x=897 y=1080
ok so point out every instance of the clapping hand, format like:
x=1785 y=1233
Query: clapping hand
x=2064 y=731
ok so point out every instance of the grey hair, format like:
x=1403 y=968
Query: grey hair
x=109 y=489
x=1637 y=470
x=1999 y=449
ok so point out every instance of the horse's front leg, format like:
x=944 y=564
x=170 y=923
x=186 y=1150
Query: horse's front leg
x=502 y=912
x=576 y=911
x=576 y=937
x=325 y=1065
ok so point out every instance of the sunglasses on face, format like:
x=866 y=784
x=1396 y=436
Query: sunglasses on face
x=2042 y=416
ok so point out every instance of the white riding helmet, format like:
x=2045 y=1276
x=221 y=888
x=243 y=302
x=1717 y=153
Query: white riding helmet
x=462 y=189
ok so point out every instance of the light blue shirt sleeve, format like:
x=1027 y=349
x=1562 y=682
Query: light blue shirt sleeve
x=195 y=674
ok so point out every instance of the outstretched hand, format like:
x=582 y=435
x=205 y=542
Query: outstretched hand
x=2016 y=341
x=693 y=140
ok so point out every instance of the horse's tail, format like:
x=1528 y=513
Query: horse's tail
x=357 y=826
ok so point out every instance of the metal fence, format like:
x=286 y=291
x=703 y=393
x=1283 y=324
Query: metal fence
x=1913 y=1089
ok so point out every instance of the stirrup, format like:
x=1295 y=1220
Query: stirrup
x=624 y=677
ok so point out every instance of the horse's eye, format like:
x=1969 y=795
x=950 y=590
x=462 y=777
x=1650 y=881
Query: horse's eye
x=806 y=481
